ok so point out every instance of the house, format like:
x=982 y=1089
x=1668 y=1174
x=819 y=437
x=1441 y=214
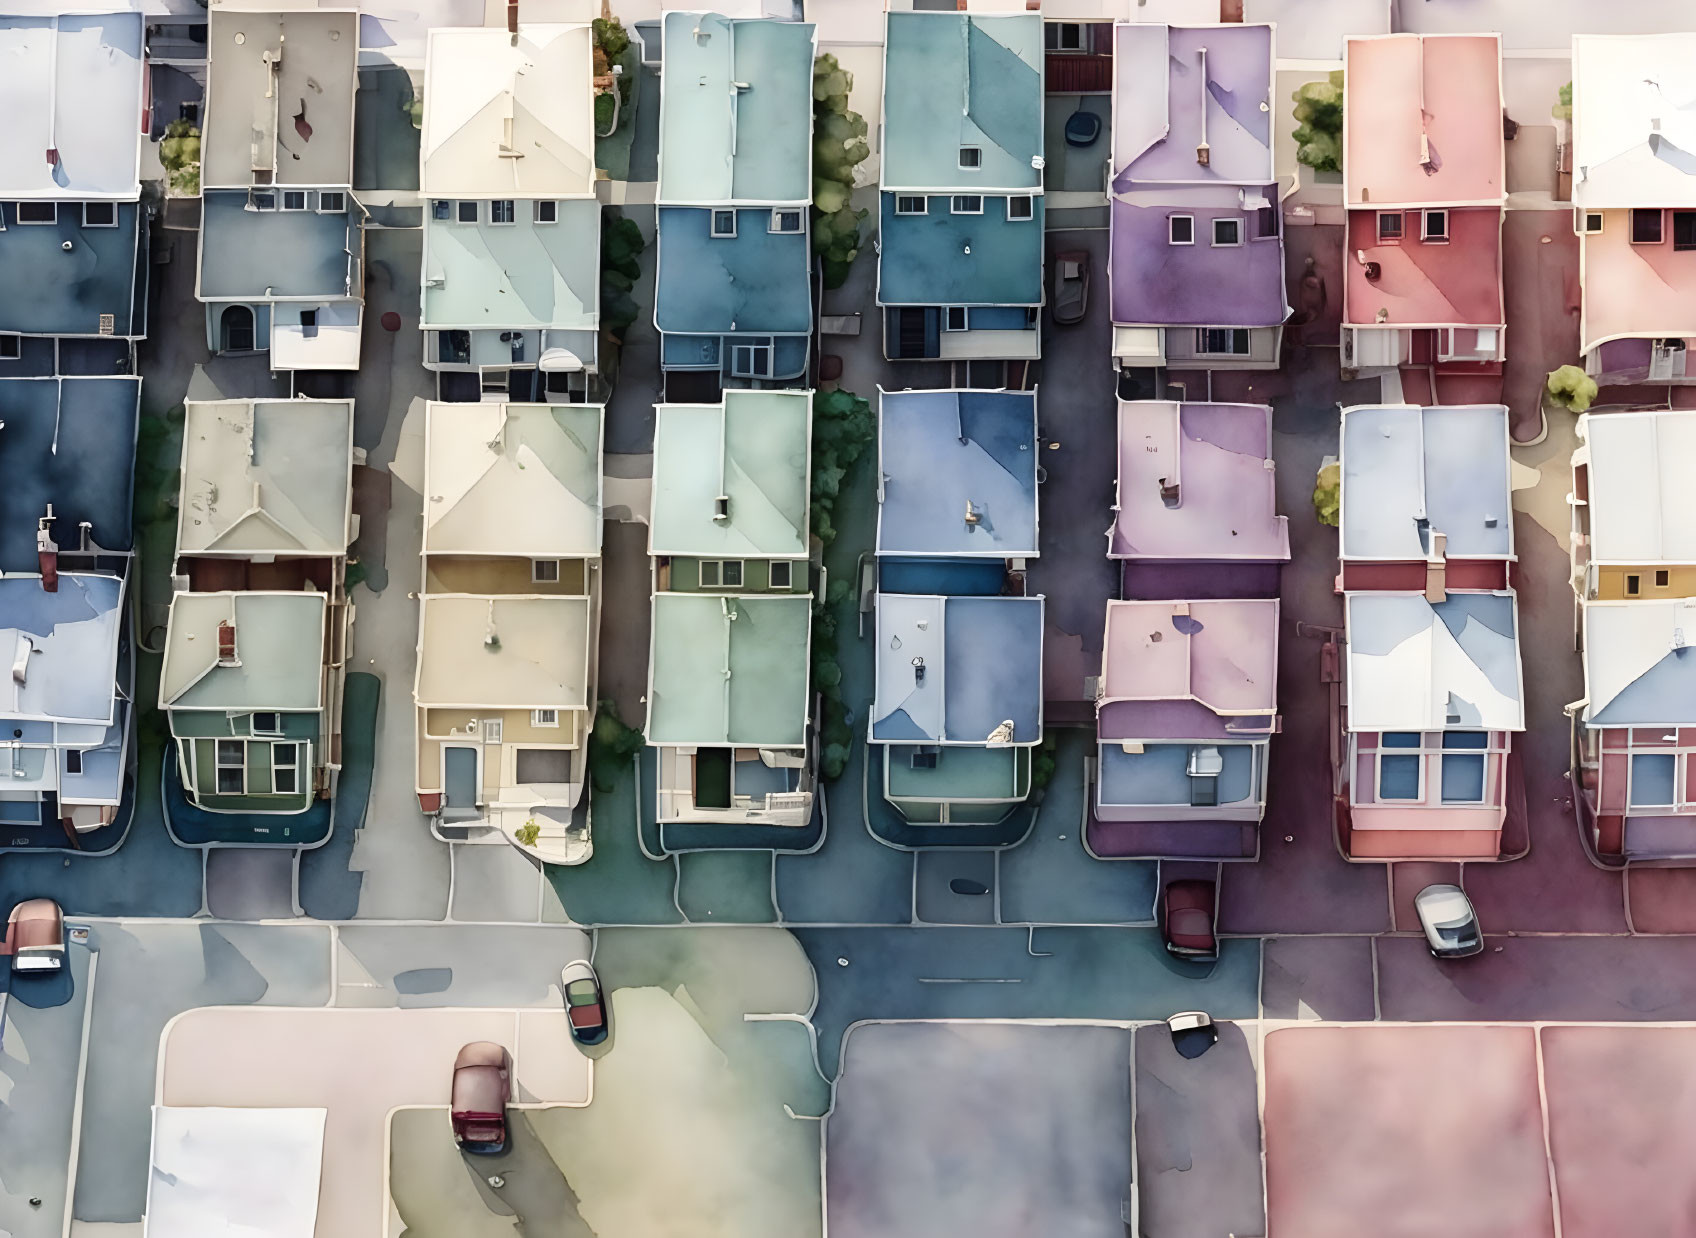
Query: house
x=1196 y=268
x=73 y=230
x=67 y=452
x=1634 y=193
x=1431 y=692
x=281 y=263
x=505 y=689
x=260 y=626
x=512 y=231
x=1633 y=512
x=729 y=704
x=1195 y=512
x=960 y=208
x=1424 y=185
x=733 y=275
x=1187 y=708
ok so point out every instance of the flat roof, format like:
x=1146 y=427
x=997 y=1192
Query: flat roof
x=510 y=652
x=517 y=275
x=1218 y=457
x=47 y=289
x=1642 y=509
x=513 y=479
x=279 y=96
x=1639 y=669
x=729 y=669
x=758 y=282
x=266 y=477
x=736 y=110
x=1157 y=283
x=74 y=83
x=71 y=639
x=249 y=1171
x=1222 y=654
x=952 y=80
x=1177 y=88
x=754 y=449
x=1633 y=120
x=1457 y=282
x=942 y=453
x=1415 y=665
x=1422 y=120
x=248 y=255
x=1415 y=471
x=940 y=258
x=982 y=667
x=486 y=92
x=279 y=647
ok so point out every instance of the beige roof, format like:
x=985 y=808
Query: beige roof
x=508 y=118
x=513 y=479
x=503 y=652
x=266 y=477
x=279 y=97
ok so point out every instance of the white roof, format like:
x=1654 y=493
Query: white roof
x=1633 y=120
x=1418 y=666
x=507 y=652
x=485 y=93
x=1638 y=668
x=234 y=1173
x=1642 y=502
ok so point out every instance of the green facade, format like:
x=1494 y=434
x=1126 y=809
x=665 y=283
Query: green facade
x=756 y=576
x=969 y=785
x=198 y=734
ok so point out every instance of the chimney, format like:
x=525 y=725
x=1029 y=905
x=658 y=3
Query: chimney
x=20 y=664
x=1168 y=492
x=1203 y=153
x=227 y=644
x=918 y=670
x=972 y=516
x=47 y=553
x=1436 y=568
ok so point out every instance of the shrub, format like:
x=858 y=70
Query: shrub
x=528 y=833
x=1571 y=388
x=621 y=251
x=1043 y=761
x=1563 y=104
x=604 y=110
x=1319 y=116
x=839 y=146
x=1328 y=493
x=611 y=37
x=611 y=747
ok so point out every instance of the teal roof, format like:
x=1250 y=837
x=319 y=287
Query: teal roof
x=736 y=110
x=522 y=274
x=279 y=652
x=940 y=258
x=729 y=670
x=952 y=80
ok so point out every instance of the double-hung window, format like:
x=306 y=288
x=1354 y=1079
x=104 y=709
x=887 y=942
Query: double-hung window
x=1464 y=766
x=285 y=769
x=231 y=760
x=1400 y=774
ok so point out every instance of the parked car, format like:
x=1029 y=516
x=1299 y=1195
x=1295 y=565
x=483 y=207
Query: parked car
x=584 y=1007
x=1450 y=923
x=35 y=936
x=1186 y=920
x=1071 y=286
x=482 y=1086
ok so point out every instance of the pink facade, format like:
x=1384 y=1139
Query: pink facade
x=1406 y=280
x=1639 y=789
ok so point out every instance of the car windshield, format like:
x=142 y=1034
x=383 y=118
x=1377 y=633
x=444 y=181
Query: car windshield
x=1462 y=932
x=581 y=993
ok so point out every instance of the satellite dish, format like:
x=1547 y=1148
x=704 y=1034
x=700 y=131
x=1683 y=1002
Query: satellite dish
x=558 y=360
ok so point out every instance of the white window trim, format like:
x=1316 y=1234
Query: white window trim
x=219 y=765
x=512 y=212
x=1631 y=225
x=1417 y=752
x=1213 y=232
x=274 y=730
x=771 y=574
x=1060 y=27
x=11 y=347
x=37 y=223
x=970 y=167
x=538 y=568
x=476 y=212
x=1426 y=236
x=948 y=312
x=1677 y=776
x=1169 y=238
x=544 y=718
x=1401 y=223
x=753 y=352
x=1582 y=220
x=712 y=224
x=113 y=206
x=536 y=212
x=954 y=207
x=777 y=211
x=921 y=199
x=332 y=210
x=1030 y=207
x=283 y=196
x=256 y=199
x=718 y=566
x=292 y=766
x=1202 y=350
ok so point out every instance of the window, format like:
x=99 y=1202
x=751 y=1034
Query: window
x=954 y=318
x=1222 y=341
x=1590 y=221
x=332 y=202
x=11 y=347
x=262 y=200
x=724 y=223
x=1463 y=766
x=1645 y=227
x=544 y=717
x=467 y=213
x=786 y=221
x=1180 y=229
x=285 y=768
x=1389 y=226
x=294 y=199
x=501 y=211
x=105 y=215
x=1267 y=220
x=547 y=211
x=1227 y=232
x=1020 y=206
x=309 y=322
x=441 y=209
x=231 y=760
x=38 y=212
x=966 y=204
x=782 y=574
x=971 y=158
x=1684 y=229
x=1662 y=578
x=267 y=724
x=910 y=204
x=1063 y=36
x=1435 y=226
x=1633 y=584
x=1399 y=774
x=750 y=361
x=1653 y=779
x=544 y=571
x=73 y=761
x=721 y=573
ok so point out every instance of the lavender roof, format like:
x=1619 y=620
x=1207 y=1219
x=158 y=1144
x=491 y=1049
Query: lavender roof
x=1193 y=670
x=1204 y=285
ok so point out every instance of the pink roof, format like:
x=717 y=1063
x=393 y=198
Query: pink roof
x=1218 y=456
x=1633 y=290
x=1222 y=653
x=1458 y=282
x=1446 y=87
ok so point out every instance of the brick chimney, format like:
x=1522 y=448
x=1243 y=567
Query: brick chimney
x=47 y=552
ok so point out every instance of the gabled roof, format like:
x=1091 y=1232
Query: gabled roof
x=266 y=477
x=509 y=652
x=1222 y=654
x=1414 y=665
x=981 y=667
x=753 y=449
x=736 y=109
x=486 y=93
x=957 y=473
x=952 y=80
x=72 y=635
x=513 y=479
x=1633 y=120
x=72 y=84
x=279 y=652
x=1642 y=503
x=1639 y=669
x=1409 y=472
x=729 y=669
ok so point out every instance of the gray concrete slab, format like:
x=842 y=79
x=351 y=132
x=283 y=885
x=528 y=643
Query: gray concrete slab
x=1326 y=978
x=936 y=900
x=39 y=1048
x=453 y=965
x=250 y=883
x=496 y=883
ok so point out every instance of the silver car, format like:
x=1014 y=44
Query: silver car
x=1450 y=924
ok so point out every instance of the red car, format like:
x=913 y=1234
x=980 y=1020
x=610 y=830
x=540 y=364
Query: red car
x=482 y=1086
x=1186 y=920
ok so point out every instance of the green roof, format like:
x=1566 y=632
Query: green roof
x=279 y=652
x=729 y=670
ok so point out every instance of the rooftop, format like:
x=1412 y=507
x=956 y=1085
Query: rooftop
x=1638 y=668
x=486 y=93
x=73 y=84
x=1422 y=120
x=753 y=449
x=958 y=473
x=729 y=670
x=1178 y=88
x=517 y=275
x=1633 y=120
x=266 y=477
x=1634 y=291
x=1222 y=655
x=1157 y=283
x=1217 y=459
x=1457 y=281
x=279 y=652
x=72 y=642
x=1414 y=665
x=263 y=254
x=279 y=96
x=953 y=80
x=940 y=258
x=757 y=282
x=70 y=443
x=736 y=109
x=502 y=652
x=46 y=289
x=952 y=670
x=513 y=479
x=1416 y=471
x=1640 y=465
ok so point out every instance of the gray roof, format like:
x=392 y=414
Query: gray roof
x=1415 y=665
x=729 y=670
x=259 y=255
x=941 y=452
x=72 y=635
x=982 y=667
x=518 y=275
x=1639 y=669
x=279 y=648
x=46 y=289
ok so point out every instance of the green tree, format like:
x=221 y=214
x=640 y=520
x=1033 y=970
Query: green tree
x=1563 y=104
x=1319 y=116
x=839 y=146
x=1571 y=388
x=621 y=252
x=1328 y=493
x=179 y=155
x=611 y=747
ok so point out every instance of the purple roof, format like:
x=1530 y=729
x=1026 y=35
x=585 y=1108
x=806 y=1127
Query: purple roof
x=1189 y=669
x=1156 y=283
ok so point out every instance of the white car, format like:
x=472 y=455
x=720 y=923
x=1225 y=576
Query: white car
x=1450 y=924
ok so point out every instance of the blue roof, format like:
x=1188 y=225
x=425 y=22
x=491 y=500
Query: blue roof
x=73 y=636
x=262 y=254
x=982 y=666
x=757 y=282
x=46 y=289
x=940 y=258
x=69 y=442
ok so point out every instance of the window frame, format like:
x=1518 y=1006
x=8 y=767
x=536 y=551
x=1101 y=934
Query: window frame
x=909 y=198
x=539 y=569
x=1400 y=234
x=291 y=766
x=1058 y=47
x=1202 y=342
x=551 y=205
x=459 y=211
x=220 y=765
x=1426 y=235
x=263 y=200
x=544 y=719
x=957 y=204
x=716 y=232
x=1663 y=578
x=110 y=206
x=1632 y=586
x=1413 y=752
x=753 y=352
x=339 y=195
x=788 y=568
x=778 y=213
x=11 y=347
x=1688 y=243
x=720 y=573
x=1236 y=226
x=276 y=727
x=291 y=196
x=1631 y=778
x=1171 y=223
x=948 y=312
x=1029 y=201
x=1645 y=213
x=503 y=206
x=37 y=223
x=975 y=163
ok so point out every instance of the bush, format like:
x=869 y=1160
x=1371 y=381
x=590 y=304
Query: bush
x=1563 y=104
x=1571 y=388
x=611 y=37
x=1328 y=493
x=621 y=251
x=1319 y=132
x=611 y=747
x=527 y=834
x=604 y=110
x=1043 y=762
x=179 y=155
x=839 y=146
